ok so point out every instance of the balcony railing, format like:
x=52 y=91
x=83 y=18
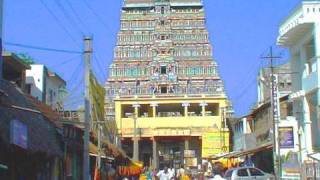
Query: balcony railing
x=291 y=21
x=176 y=91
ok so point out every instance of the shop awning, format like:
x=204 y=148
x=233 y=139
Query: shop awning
x=237 y=154
x=315 y=156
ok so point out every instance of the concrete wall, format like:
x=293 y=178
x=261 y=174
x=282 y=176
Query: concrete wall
x=35 y=77
x=53 y=92
x=300 y=32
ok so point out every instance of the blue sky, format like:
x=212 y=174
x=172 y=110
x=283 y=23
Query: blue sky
x=240 y=32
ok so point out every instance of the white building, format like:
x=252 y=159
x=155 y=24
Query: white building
x=243 y=138
x=46 y=86
x=264 y=82
x=300 y=32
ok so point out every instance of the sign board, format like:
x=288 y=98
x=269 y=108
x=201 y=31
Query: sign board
x=191 y=162
x=172 y=132
x=189 y=154
x=290 y=164
x=214 y=143
x=286 y=137
x=19 y=134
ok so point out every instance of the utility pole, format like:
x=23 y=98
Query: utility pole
x=86 y=138
x=275 y=115
x=1 y=26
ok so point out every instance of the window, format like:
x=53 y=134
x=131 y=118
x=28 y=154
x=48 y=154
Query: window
x=163 y=90
x=163 y=37
x=51 y=96
x=255 y=172
x=162 y=10
x=162 y=22
x=242 y=172
x=28 y=88
x=163 y=70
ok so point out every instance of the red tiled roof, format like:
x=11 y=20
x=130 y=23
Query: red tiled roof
x=46 y=110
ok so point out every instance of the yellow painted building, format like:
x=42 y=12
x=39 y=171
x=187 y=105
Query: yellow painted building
x=168 y=125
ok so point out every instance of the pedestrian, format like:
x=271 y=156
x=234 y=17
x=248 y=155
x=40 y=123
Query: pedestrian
x=217 y=172
x=146 y=175
x=164 y=174
x=181 y=175
x=172 y=173
x=154 y=174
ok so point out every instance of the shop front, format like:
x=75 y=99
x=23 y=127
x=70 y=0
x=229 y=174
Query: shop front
x=31 y=146
x=166 y=151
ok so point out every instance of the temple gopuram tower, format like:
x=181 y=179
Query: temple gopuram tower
x=163 y=81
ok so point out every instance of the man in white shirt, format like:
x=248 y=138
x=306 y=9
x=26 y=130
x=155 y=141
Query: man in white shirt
x=171 y=172
x=164 y=174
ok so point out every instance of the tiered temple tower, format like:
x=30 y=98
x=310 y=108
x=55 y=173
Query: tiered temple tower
x=164 y=74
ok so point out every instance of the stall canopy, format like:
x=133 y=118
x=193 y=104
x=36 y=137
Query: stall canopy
x=237 y=154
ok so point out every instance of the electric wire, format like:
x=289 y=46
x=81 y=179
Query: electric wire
x=75 y=87
x=75 y=102
x=242 y=94
x=95 y=58
x=236 y=99
x=99 y=66
x=76 y=15
x=68 y=17
x=252 y=73
x=99 y=18
x=64 y=62
x=59 y=22
x=41 y=48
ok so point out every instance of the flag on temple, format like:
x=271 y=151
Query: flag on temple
x=97 y=95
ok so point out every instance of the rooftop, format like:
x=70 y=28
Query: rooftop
x=41 y=128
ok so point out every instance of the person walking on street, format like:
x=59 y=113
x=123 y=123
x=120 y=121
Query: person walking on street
x=164 y=174
x=217 y=172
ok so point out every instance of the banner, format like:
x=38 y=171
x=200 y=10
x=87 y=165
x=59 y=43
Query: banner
x=214 y=143
x=189 y=153
x=286 y=137
x=19 y=134
x=191 y=162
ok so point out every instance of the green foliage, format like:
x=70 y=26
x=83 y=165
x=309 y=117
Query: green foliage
x=26 y=58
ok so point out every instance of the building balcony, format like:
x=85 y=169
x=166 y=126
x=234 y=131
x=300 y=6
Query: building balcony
x=310 y=82
x=299 y=23
x=169 y=126
x=174 y=91
x=244 y=142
